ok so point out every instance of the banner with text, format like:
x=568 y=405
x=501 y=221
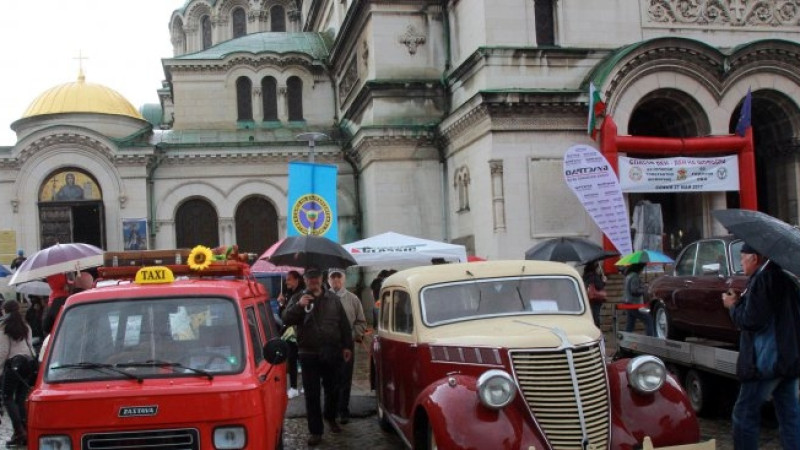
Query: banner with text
x=589 y=175
x=681 y=174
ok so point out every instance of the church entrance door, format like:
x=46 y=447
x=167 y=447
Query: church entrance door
x=71 y=210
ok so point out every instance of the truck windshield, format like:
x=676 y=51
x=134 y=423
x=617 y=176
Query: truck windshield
x=500 y=296
x=146 y=338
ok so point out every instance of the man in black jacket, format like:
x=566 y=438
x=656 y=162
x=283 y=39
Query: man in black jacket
x=767 y=314
x=324 y=340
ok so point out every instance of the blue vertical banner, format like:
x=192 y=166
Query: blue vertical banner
x=312 y=200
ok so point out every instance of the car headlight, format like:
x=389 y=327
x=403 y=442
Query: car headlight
x=230 y=437
x=646 y=374
x=496 y=388
x=55 y=443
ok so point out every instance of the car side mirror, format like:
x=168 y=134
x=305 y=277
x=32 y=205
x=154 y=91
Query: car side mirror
x=711 y=269
x=276 y=351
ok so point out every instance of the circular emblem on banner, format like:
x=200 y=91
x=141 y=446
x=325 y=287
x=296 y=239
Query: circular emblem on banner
x=311 y=214
x=722 y=173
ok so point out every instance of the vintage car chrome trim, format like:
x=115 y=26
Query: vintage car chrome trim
x=484 y=356
x=548 y=381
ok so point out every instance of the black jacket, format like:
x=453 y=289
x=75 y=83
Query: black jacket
x=325 y=325
x=770 y=295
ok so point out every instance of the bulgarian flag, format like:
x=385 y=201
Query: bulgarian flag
x=597 y=109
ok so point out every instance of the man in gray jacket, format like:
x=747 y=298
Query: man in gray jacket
x=358 y=323
x=324 y=344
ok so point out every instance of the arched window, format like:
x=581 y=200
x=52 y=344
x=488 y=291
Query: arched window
x=294 y=88
x=205 y=24
x=256 y=225
x=239 y=22
x=277 y=18
x=269 y=97
x=244 y=99
x=196 y=223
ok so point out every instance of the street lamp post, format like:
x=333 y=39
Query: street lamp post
x=312 y=138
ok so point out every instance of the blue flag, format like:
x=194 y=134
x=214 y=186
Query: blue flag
x=744 y=115
x=312 y=200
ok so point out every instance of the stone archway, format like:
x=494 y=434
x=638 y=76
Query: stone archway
x=71 y=209
x=256 y=225
x=671 y=113
x=776 y=123
x=196 y=223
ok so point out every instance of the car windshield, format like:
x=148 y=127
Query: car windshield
x=500 y=297
x=146 y=338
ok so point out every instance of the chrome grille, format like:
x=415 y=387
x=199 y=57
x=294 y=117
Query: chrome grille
x=552 y=385
x=181 y=439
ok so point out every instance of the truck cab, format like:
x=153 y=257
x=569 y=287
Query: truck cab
x=163 y=356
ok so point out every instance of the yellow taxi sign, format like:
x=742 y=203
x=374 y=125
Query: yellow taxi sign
x=154 y=275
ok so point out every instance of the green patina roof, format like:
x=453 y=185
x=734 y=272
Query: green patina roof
x=151 y=113
x=313 y=44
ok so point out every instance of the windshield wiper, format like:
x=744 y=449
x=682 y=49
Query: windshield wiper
x=100 y=367
x=172 y=365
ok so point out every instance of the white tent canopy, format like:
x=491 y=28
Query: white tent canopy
x=397 y=250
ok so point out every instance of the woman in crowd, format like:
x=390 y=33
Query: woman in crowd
x=634 y=294
x=595 y=282
x=16 y=353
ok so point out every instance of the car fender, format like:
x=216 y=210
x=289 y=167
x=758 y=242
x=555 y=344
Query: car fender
x=459 y=420
x=666 y=415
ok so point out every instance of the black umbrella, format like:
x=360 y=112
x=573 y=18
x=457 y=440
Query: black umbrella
x=770 y=237
x=305 y=251
x=566 y=249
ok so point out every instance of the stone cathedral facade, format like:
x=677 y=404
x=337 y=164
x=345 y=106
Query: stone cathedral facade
x=447 y=120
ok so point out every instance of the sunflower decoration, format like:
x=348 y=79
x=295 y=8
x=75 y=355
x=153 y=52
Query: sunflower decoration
x=200 y=257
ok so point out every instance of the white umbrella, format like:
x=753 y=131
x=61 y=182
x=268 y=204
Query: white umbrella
x=396 y=250
x=39 y=288
x=59 y=258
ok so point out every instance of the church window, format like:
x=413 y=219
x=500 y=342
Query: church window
x=256 y=224
x=244 y=99
x=545 y=22
x=205 y=24
x=277 y=16
x=239 y=23
x=196 y=222
x=294 y=87
x=269 y=97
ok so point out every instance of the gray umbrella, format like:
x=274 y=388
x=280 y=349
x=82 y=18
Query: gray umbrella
x=565 y=249
x=772 y=238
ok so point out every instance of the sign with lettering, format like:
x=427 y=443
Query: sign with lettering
x=138 y=411
x=154 y=275
x=593 y=181
x=681 y=174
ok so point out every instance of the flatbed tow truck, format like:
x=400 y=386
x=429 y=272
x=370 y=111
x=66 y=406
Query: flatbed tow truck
x=705 y=367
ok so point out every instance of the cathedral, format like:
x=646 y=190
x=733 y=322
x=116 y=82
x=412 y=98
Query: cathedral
x=446 y=119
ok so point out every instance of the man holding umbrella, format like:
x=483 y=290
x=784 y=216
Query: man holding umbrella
x=768 y=315
x=324 y=341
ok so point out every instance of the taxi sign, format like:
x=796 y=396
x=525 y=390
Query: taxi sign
x=154 y=275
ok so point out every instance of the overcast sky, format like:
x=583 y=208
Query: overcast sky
x=41 y=40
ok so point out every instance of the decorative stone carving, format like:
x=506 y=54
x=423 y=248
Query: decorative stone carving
x=365 y=53
x=294 y=15
x=15 y=206
x=349 y=80
x=498 y=196
x=261 y=15
x=725 y=13
x=412 y=39
x=257 y=91
x=123 y=199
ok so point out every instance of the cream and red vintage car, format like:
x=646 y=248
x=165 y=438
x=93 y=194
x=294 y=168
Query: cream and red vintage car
x=504 y=354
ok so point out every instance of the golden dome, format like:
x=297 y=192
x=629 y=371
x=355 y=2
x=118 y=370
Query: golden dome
x=81 y=97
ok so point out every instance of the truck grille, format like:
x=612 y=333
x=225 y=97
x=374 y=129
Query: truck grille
x=569 y=400
x=182 y=439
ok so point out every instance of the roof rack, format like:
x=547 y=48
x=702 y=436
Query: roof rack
x=125 y=265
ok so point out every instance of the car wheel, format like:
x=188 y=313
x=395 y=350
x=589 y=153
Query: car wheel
x=383 y=421
x=699 y=391
x=663 y=323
